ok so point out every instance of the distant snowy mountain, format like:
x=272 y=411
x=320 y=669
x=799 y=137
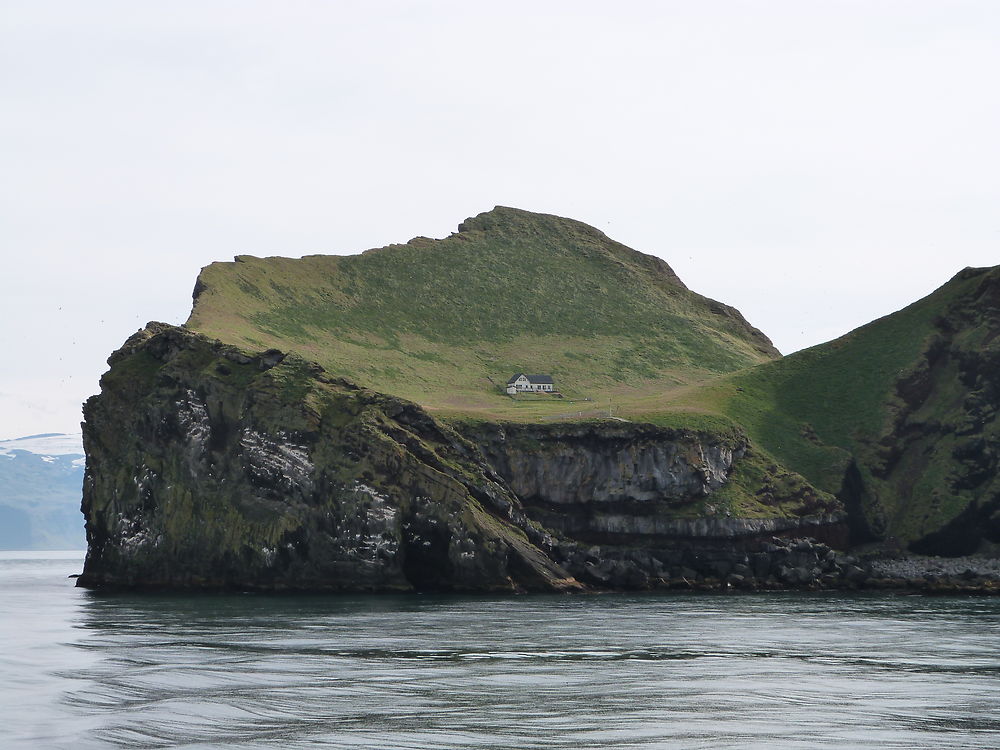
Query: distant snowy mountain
x=41 y=479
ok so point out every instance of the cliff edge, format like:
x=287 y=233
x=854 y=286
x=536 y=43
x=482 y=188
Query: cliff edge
x=211 y=467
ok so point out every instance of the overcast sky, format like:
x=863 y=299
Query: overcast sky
x=815 y=164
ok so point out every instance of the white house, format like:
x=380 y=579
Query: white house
x=521 y=383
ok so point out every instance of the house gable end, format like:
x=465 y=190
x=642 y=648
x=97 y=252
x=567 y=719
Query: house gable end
x=522 y=382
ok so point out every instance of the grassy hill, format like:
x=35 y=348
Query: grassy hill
x=897 y=417
x=446 y=322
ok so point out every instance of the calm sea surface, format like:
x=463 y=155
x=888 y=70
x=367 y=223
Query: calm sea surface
x=689 y=671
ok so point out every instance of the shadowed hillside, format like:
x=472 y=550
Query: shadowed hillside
x=898 y=417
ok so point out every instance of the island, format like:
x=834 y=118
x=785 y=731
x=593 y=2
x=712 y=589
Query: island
x=343 y=423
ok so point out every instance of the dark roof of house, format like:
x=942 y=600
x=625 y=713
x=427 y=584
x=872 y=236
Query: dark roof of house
x=531 y=378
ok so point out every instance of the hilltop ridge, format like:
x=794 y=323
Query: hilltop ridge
x=504 y=219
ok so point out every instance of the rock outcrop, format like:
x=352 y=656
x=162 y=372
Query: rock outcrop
x=211 y=467
x=613 y=481
x=639 y=506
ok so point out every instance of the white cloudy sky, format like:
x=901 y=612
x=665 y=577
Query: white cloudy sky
x=815 y=163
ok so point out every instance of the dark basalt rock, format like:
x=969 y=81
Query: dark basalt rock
x=210 y=467
x=213 y=467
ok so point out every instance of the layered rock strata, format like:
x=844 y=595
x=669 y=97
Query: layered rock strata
x=615 y=481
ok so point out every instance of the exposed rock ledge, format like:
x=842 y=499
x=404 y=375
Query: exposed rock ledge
x=640 y=484
x=723 y=528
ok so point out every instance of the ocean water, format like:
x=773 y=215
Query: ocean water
x=81 y=670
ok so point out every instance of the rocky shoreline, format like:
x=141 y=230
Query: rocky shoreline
x=780 y=564
x=944 y=575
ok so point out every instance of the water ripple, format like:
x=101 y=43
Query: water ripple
x=788 y=671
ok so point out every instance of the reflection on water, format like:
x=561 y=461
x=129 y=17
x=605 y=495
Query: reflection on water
x=527 y=672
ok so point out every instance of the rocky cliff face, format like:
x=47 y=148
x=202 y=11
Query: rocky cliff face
x=211 y=467
x=613 y=477
x=638 y=506
x=569 y=464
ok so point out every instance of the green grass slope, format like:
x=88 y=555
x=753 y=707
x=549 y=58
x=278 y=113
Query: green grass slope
x=897 y=416
x=445 y=322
